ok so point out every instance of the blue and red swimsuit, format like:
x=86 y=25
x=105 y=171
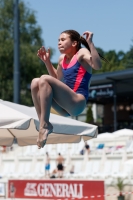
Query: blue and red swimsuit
x=76 y=77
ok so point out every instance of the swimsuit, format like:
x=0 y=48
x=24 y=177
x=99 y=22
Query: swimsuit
x=60 y=167
x=47 y=167
x=76 y=76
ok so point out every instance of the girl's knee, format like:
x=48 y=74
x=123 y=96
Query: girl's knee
x=34 y=83
x=44 y=79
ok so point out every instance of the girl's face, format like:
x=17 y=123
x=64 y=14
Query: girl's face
x=65 y=44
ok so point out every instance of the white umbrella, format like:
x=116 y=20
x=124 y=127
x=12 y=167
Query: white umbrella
x=21 y=122
x=105 y=136
x=123 y=132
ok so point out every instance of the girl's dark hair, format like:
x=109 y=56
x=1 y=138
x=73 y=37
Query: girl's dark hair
x=75 y=36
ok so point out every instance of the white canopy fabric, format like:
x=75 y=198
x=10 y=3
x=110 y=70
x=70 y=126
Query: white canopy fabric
x=123 y=133
x=21 y=122
x=105 y=136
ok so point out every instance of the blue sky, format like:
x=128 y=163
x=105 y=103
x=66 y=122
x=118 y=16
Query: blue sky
x=109 y=20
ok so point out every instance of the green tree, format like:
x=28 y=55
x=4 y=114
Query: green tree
x=30 y=42
x=89 y=115
x=119 y=184
x=129 y=58
x=116 y=61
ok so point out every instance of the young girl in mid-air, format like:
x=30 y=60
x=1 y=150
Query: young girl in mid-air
x=65 y=88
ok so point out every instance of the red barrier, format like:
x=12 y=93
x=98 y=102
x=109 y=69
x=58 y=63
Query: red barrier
x=58 y=189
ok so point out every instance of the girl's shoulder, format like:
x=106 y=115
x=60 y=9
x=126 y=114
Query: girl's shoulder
x=61 y=59
x=83 y=52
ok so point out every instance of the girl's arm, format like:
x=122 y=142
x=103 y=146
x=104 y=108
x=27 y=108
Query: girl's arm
x=94 y=58
x=59 y=69
x=45 y=57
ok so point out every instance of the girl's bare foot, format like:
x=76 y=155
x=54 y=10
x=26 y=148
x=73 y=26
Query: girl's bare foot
x=43 y=134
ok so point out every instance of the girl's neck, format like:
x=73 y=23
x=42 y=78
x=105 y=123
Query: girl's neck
x=69 y=56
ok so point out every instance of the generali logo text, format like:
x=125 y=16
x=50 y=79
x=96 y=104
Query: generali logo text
x=54 y=190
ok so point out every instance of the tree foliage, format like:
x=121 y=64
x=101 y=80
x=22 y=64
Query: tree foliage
x=120 y=184
x=30 y=42
x=129 y=58
x=89 y=115
x=115 y=61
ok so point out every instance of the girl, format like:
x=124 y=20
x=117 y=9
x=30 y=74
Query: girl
x=65 y=89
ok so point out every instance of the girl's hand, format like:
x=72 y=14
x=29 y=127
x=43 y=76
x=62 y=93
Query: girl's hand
x=89 y=36
x=43 y=54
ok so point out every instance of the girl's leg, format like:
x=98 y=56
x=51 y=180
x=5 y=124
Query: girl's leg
x=64 y=97
x=46 y=127
x=59 y=109
x=64 y=100
x=36 y=100
x=38 y=104
x=51 y=88
x=35 y=96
